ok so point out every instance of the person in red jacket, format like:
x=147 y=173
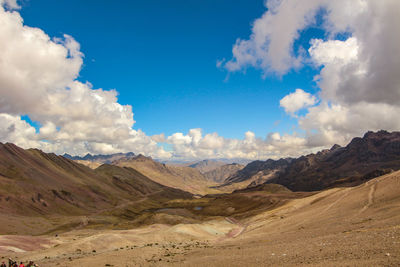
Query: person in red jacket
x=21 y=264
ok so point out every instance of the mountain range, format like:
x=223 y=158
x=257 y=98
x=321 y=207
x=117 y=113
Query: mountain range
x=363 y=158
x=100 y=158
x=60 y=212
x=374 y=154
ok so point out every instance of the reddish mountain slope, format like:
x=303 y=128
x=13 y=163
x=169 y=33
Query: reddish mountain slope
x=36 y=183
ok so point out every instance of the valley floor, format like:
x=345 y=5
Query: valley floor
x=358 y=226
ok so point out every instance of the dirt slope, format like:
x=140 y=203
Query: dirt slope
x=91 y=164
x=207 y=165
x=184 y=178
x=356 y=226
x=36 y=186
x=221 y=173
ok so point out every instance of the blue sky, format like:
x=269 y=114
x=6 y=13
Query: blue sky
x=161 y=58
x=194 y=79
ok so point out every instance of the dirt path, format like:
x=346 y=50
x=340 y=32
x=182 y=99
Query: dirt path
x=370 y=197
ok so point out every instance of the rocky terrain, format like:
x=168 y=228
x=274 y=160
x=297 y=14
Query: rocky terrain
x=206 y=165
x=257 y=172
x=221 y=173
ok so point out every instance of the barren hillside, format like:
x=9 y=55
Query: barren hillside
x=355 y=226
x=37 y=185
x=185 y=178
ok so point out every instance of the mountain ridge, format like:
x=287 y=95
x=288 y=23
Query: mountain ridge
x=206 y=165
x=350 y=165
x=102 y=158
x=221 y=173
x=35 y=183
x=182 y=177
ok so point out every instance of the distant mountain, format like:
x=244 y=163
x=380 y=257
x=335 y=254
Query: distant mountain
x=258 y=171
x=187 y=163
x=236 y=160
x=185 y=178
x=221 y=173
x=363 y=158
x=91 y=164
x=206 y=165
x=100 y=158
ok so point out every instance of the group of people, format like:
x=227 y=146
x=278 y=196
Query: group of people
x=12 y=263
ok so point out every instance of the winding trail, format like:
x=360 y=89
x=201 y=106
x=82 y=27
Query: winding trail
x=370 y=197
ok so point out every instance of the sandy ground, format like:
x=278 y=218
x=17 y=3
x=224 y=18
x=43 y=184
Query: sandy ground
x=357 y=226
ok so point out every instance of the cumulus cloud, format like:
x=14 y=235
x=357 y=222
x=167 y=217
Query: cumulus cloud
x=195 y=145
x=18 y=131
x=297 y=100
x=333 y=51
x=270 y=46
x=10 y=4
x=159 y=138
x=358 y=80
x=38 y=77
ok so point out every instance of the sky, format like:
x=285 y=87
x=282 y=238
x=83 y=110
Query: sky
x=190 y=79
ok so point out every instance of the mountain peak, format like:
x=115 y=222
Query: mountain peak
x=100 y=158
x=334 y=147
x=141 y=157
x=207 y=165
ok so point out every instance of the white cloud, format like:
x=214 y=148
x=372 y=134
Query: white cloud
x=38 y=77
x=359 y=79
x=333 y=51
x=159 y=138
x=270 y=45
x=10 y=4
x=195 y=145
x=297 y=100
x=15 y=130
